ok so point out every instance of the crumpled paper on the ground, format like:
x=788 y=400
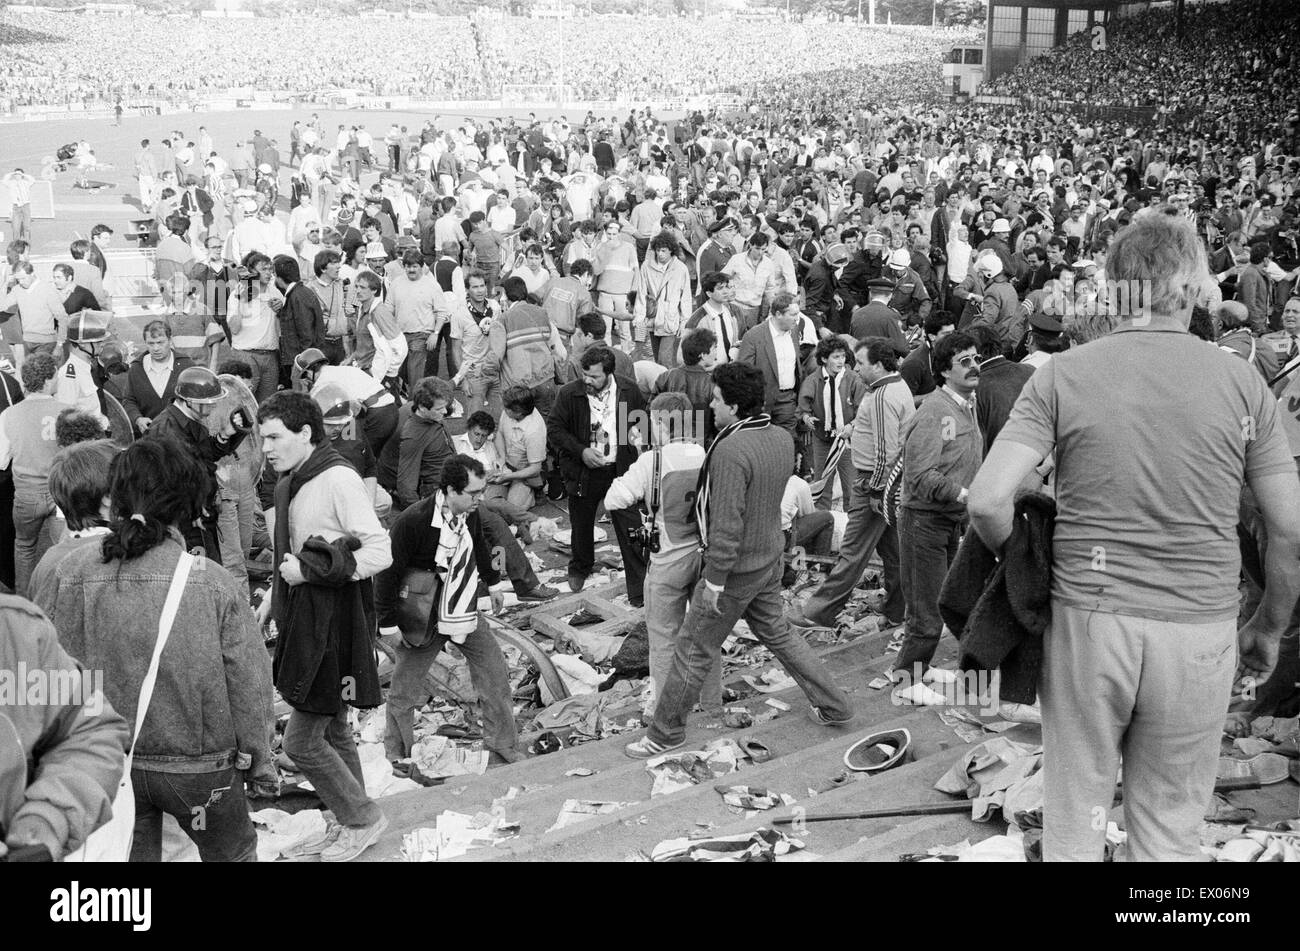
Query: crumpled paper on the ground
x=991 y=772
x=682 y=769
x=578 y=675
x=580 y=810
x=772 y=680
x=742 y=799
x=762 y=845
x=455 y=833
x=1258 y=845
x=279 y=831
x=440 y=756
x=378 y=772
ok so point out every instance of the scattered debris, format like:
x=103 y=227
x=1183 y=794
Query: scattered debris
x=772 y=680
x=455 y=833
x=681 y=770
x=742 y=799
x=279 y=832
x=580 y=771
x=777 y=705
x=762 y=845
x=439 y=756
x=579 y=810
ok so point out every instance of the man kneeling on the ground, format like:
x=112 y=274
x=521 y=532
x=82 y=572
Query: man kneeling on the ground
x=439 y=547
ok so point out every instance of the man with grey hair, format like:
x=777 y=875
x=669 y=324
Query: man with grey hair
x=1234 y=336
x=1139 y=658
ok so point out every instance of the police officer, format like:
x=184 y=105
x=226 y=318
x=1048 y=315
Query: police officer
x=198 y=390
x=339 y=410
x=374 y=405
x=81 y=377
x=910 y=298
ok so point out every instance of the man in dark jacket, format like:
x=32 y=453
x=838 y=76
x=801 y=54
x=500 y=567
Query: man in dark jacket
x=1000 y=383
x=821 y=288
x=160 y=364
x=593 y=432
x=302 y=320
x=411 y=462
x=197 y=391
x=441 y=537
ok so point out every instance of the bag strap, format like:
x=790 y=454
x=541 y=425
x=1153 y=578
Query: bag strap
x=165 y=622
x=654 y=483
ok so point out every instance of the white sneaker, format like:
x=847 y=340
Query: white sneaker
x=1020 y=712
x=941 y=675
x=919 y=695
x=353 y=841
x=317 y=845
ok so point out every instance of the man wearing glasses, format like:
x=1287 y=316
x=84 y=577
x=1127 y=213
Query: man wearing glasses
x=942 y=451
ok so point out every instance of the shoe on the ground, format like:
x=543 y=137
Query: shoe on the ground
x=822 y=719
x=318 y=844
x=576 y=581
x=919 y=695
x=639 y=603
x=797 y=619
x=540 y=592
x=502 y=757
x=352 y=841
x=646 y=748
x=941 y=675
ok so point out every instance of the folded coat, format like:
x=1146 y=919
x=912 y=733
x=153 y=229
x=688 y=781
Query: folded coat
x=1000 y=610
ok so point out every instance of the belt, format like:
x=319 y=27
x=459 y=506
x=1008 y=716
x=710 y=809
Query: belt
x=336 y=337
x=783 y=392
x=375 y=400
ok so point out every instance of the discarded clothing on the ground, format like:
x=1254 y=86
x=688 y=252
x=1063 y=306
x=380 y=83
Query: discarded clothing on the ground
x=763 y=845
x=1261 y=845
x=683 y=769
x=278 y=832
x=742 y=799
x=580 y=810
x=994 y=772
x=455 y=833
x=578 y=676
x=999 y=610
x=997 y=848
x=772 y=680
x=440 y=756
x=378 y=772
x=586 y=714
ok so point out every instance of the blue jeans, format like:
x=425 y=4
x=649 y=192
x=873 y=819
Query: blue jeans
x=209 y=807
x=866 y=533
x=416 y=356
x=755 y=596
x=33 y=521
x=488 y=673
x=668 y=591
x=266 y=370
x=321 y=745
x=928 y=542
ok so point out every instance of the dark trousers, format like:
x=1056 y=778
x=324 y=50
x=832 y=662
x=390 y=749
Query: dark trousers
x=755 y=596
x=332 y=347
x=516 y=565
x=441 y=346
x=7 y=534
x=488 y=673
x=784 y=413
x=582 y=519
x=395 y=157
x=928 y=542
x=866 y=532
x=378 y=423
x=209 y=807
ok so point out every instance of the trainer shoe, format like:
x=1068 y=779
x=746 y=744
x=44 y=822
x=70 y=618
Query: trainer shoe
x=646 y=748
x=539 y=593
x=318 y=844
x=352 y=841
x=819 y=717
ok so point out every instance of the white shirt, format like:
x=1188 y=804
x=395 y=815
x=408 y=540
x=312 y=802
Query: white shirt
x=159 y=373
x=796 y=501
x=787 y=356
x=714 y=320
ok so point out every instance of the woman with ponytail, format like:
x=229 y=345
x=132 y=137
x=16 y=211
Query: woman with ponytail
x=207 y=727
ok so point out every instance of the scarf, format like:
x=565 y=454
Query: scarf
x=457 y=574
x=702 y=482
x=831 y=403
x=287 y=487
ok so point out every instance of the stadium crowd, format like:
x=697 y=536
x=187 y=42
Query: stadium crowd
x=902 y=314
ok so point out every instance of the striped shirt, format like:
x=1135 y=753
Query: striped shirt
x=878 y=425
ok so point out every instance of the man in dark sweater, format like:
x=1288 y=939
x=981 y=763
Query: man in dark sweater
x=427 y=537
x=160 y=364
x=1000 y=383
x=737 y=503
x=695 y=377
x=915 y=370
x=411 y=462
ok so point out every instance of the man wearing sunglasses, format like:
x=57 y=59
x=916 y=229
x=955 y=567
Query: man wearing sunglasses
x=942 y=451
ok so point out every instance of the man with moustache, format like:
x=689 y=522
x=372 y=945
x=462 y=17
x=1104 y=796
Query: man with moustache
x=942 y=451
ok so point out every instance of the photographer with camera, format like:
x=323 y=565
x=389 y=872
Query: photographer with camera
x=664 y=480
x=186 y=421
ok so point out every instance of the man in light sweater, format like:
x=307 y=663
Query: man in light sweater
x=874 y=445
x=737 y=503
x=675 y=563
x=27 y=439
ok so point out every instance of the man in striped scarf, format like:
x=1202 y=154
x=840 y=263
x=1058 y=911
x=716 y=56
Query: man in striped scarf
x=737 y=504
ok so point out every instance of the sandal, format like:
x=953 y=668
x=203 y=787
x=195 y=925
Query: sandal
x=755 y=750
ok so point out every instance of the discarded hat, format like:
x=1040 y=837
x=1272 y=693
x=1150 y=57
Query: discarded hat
x=878 y=752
